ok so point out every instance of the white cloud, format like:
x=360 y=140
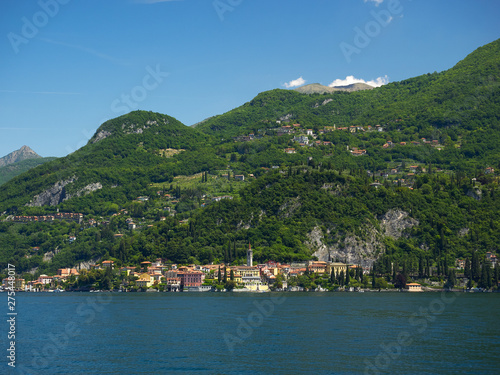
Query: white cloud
x=349 y=80
x=377 y=2
x=294 y=83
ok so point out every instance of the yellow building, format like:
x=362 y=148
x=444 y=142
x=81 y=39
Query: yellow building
x=250 y=278
x=317 y=267
x=336 y=267
x=18 y=284
x=145 y=281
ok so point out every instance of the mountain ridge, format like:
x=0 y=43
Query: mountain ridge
x=23 y=153
x=317 y=88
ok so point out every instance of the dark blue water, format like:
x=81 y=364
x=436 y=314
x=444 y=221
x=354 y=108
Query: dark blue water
x=293 y=333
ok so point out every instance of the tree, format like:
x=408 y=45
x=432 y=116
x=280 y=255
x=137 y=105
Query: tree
x=485 y=280
x=469 y=283
x=219 y=277
x=341 y=278
x=475 y=267
x=451 y=279
x=400 y=281
x=380 y=283
x=405 y=270
x=229 y=285
x=497 y=274
x=347 y=278
x=333 y=278
x=231 y=275
x=373 y=276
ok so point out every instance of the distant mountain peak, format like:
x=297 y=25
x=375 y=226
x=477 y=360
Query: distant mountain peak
x=19 y=155
x=317 y=88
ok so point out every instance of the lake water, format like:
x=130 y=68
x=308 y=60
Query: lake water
x=269 y=333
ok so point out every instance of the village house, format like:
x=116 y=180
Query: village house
x=302 y=139
x=64 y=273
x=107 y=264
x=492 y=258
x=18 y=284
x=189 y=279
x=144 y=281
x=336 y=268
x=460 y=263
x=44 y=279
x=357 y=152
x=414 y=287
x=316 y=267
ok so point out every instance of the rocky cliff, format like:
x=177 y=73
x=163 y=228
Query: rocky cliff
x=57 y=193
x=361 y=247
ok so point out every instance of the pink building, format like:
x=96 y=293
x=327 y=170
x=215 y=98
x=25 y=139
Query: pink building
x=191 y=278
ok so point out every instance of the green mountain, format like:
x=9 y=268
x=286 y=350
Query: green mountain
x=120 y=160
x=10 y=171
x=403 y=173
x=463 y=98
x=18 y=162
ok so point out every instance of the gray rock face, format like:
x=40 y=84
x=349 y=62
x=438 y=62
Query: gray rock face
x=86 y=190
x=351 y=249
x=287 y=117
x=102 y=134
x=57 y=193
x=52 y=196
x=288 y=208
x=394 y=222
x=360 y=249
x=475 y=193
x=16 y=156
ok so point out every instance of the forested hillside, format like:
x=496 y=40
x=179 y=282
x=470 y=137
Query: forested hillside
x=297 y=175
x=10 y=171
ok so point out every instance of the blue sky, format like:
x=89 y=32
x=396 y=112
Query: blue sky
x=66 y=66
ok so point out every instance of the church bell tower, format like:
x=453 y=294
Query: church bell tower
x=249 y=256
